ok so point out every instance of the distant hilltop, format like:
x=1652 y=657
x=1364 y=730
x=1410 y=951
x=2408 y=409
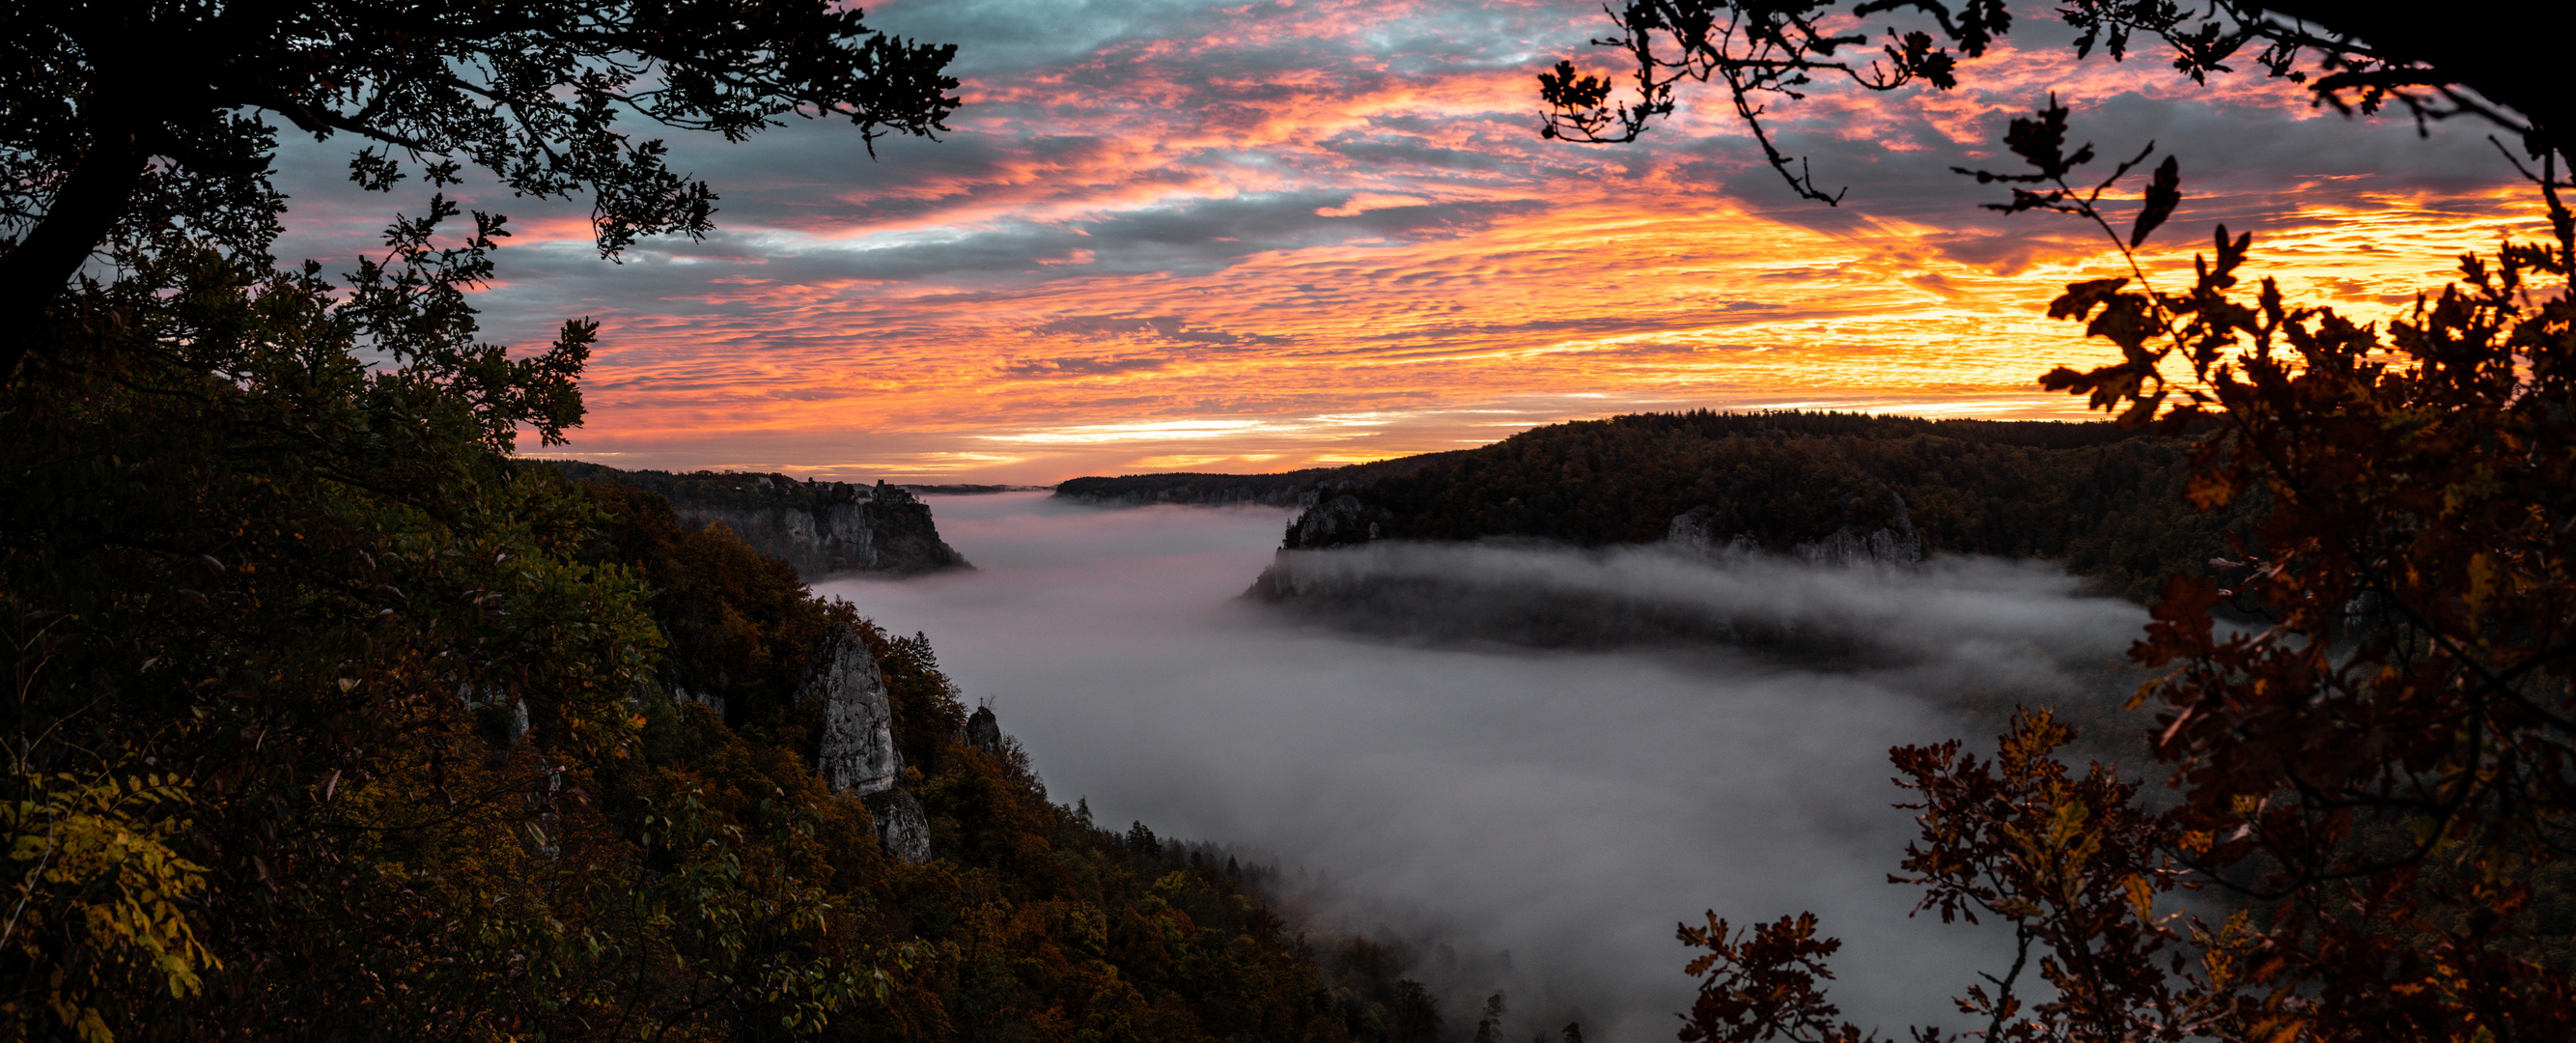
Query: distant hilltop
x=974 y=490
x=1300 y=489
x=2106 y=503
x=819 y=528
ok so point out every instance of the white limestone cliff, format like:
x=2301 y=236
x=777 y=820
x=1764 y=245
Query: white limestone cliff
x=859 y=755
x=832 y=528
x=858 y=723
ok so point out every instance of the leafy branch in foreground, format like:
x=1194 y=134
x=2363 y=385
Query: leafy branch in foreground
x=141 y=126
x=2071 y=862
x=1761 y=51
x=2363 y=58
x=93 y=863
x=2374 y=748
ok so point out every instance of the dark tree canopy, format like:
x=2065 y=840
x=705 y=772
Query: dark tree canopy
x=130 y=123
x=2356 y=55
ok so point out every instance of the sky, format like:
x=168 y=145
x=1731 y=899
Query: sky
x=1566 y=808
x=1178 y=235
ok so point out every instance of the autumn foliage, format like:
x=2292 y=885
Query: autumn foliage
x=2365 y=708
x=331 y=720
x=2366 y=711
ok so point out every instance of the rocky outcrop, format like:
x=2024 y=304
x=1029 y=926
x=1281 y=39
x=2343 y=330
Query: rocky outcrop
x=859 y=756
x=818 y=528
x=902 y=830
x=711 y=700
x=984 y=731
x=884 y=529
x=1341 y=521
x=1847 y=547
x=858 y=723
x=1695 y=533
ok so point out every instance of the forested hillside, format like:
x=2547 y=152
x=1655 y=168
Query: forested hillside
x=331 y=718
x=2104 y=502
x=296 y=758
x=1026 y=914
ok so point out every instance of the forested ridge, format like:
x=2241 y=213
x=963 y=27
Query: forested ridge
x=1281 y=489
x=2107 y=503
x=721 y=488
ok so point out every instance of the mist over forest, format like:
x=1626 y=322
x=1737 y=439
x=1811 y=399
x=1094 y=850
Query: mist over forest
x=464 y=572
x=1566 y=807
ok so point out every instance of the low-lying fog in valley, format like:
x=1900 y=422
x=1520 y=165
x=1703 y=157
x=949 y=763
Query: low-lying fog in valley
x=1567 y=807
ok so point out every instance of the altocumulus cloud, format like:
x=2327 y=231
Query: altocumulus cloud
x=1359 y=181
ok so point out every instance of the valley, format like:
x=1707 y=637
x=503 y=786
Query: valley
x=1564 y=807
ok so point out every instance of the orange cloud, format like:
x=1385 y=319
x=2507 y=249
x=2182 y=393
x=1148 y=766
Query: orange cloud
x=1284 y=234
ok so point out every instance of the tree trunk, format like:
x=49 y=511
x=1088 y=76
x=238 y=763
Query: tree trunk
x=36 y=270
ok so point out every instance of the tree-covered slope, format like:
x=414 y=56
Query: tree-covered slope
x=2104 y=502
x=332 y=720
x=1027 y=920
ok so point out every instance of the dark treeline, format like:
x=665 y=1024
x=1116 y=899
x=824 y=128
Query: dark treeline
x=2106 y=503
x=973 y=489
x=758 y=488
x=1284 y=489
x=723 y=488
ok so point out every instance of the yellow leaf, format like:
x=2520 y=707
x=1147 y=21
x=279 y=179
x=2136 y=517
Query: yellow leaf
x=2141 y=898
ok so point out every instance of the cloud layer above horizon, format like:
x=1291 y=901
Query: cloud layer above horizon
x=1180 y=235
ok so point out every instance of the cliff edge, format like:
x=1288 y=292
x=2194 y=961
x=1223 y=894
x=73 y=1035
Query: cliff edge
x=819 y=528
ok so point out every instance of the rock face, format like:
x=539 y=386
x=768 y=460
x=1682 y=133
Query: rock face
x=711 y=700
x=984 y=731
x=1342 y=521
x=902 y=829
x=884 y=529
x=1695 y=533
x=818 y=528
x=1337 y=522
x=858 y=723
x=859 y=754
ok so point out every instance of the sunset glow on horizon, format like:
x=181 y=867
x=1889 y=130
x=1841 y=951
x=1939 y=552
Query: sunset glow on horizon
x=1183 y=236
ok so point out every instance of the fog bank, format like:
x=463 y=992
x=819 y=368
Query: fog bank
x=1569 y=807
x=1944 y=624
